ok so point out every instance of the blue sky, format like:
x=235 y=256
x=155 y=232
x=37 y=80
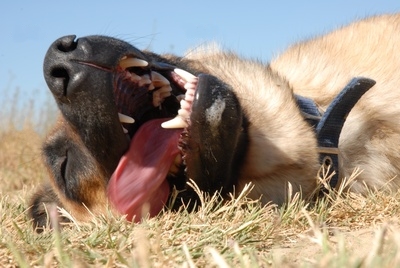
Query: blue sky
x=258 y=29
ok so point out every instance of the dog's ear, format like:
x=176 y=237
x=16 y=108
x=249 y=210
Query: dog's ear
x=42 y=201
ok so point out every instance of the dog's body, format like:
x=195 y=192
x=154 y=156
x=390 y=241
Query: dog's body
x=274 y=144
x=369 y=139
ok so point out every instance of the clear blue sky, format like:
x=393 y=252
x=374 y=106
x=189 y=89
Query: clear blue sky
x=258 y=29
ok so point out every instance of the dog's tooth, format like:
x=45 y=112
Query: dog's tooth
x=177 y=122
x=189 y=95
x=132 y=62
x=165 y=94
x=184 y=74
x=144 y=80
x=159 y=78
x=124 y=130
x=165 y=88
x=184 y=112
x=125 y=119
x=135 y=77
x=160 y=94
x=180 y=97
x=190 y=86
x=180 y=121
x=185 y=104
x=158 y=81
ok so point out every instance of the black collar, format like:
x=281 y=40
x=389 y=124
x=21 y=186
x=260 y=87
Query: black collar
x=328 y=125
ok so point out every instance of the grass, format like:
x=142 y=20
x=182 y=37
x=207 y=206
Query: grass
x=340 y=230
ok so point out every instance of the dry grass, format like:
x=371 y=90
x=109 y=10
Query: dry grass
x=341 y=230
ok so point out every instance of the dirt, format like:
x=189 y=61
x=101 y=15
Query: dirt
x=355 y=245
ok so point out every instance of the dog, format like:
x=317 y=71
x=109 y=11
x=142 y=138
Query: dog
x=136 y=125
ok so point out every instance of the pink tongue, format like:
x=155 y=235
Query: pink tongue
x=138 y=185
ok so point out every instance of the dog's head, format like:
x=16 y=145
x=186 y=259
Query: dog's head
x=113 y=99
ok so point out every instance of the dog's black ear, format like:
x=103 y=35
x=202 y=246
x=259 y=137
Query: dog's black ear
x=42 y=201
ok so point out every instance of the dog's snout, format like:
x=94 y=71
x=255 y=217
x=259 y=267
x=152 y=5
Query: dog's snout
x=62 y=72
x=74 y=65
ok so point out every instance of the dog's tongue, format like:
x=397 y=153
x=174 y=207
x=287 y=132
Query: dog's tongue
x=139 y=184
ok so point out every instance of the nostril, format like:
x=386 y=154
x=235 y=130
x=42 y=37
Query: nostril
x=62 y=75
x=67 y=48
x=67 y=44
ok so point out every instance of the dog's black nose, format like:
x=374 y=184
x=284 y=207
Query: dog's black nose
x=62 y=70
x=73 y=65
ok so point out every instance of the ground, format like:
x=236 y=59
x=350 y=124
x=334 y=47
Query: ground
x=343 y=230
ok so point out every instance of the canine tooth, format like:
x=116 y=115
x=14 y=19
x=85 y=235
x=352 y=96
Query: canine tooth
x=184 y=74
x=125 y=119
x=177 y=122
x=124 y=130
x=132 y=62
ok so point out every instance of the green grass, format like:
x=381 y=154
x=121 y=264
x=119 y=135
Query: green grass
x=341 y=230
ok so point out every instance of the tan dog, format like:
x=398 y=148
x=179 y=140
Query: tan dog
x=238 y=121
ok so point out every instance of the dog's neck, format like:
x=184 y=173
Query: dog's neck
x=328 y=125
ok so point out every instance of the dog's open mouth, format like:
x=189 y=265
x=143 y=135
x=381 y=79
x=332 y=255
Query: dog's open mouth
x=145 y=101
x=140 y=124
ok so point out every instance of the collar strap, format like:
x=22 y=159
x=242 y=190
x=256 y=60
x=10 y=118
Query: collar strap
x=328 y=125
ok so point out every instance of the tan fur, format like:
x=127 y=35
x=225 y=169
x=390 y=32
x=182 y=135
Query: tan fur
x=92 y=185
x=319 y=69
x=275 y=127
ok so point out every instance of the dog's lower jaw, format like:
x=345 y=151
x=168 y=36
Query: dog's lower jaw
x=217 y=141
